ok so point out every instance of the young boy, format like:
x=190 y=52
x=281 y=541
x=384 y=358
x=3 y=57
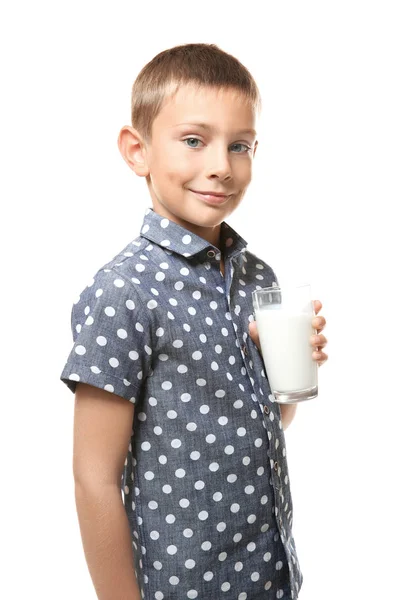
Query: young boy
x=172 y=393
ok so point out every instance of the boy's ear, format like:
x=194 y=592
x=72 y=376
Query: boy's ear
x=133 y=150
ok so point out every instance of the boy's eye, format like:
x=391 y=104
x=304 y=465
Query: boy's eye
x=192 y=140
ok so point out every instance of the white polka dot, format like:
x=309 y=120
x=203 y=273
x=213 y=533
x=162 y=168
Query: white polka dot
x=119 y=283
x=174 y=580
x=179 y=285
x=157 y=430
x=74 y=377
x=229 y=449
x=166 y=385
x=109 y=388
x=201 y=382
x=192 y=594
x=218 y=349
x=180 y=473
x=164 y=223
x=89 y=321
x=185 y=397
x=114 y=362
x=130 y=304
x=206 y=546
x=237 y=537
x=154 y=535
x=184 y=502
x=217 y=497
x=95 y=370
x=188 y=533
x=170 y=519
x=153 y=505
x=208 y=575
x=214 y=467
x=184 y=271
x=186 y=239
x=176 y=443
x=152 y=304
x=204 y=409
x=172 y=414
x=267 y=556
x=279 y=565
x=182 y=369
x=238 y=566
x=133 y=355
x=199 y=485
x=210 y=438
x=214 y=366
x=149 y=475
x=235 y=507
x=241 y=431
x=223 y=420
x=81 y=350
x=225 y=586
x=221 y=526
x=220 y=393
x=172 y=549
x=197 y=355
x=255 y=576
x=203 y=515
x=189 y=564
x=238 y=404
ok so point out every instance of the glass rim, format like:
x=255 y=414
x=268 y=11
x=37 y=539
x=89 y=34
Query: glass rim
x=278 y=288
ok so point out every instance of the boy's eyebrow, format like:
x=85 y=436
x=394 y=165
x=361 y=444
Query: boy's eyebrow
x=211 y=128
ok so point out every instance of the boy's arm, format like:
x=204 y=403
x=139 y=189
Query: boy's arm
x=102 y=431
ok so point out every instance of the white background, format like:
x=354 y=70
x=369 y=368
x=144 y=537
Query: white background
x=321 y=208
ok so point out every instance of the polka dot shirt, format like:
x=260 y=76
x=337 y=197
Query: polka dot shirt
x=205 y=483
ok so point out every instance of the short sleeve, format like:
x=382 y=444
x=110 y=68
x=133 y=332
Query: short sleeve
x=112 y=338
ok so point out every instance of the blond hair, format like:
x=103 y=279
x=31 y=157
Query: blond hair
x=195 y=64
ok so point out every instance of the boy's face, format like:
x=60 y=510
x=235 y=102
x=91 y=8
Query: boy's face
x=184 y=157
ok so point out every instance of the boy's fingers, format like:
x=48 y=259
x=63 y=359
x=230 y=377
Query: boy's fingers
x=253 y=331
x=317 y=306
x=318 y=323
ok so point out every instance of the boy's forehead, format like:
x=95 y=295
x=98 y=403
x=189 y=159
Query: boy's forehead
x=200 y=104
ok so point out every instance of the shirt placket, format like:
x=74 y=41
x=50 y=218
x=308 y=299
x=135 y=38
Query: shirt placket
x=270 y=414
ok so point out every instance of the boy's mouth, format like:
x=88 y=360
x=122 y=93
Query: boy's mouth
x=212 y=197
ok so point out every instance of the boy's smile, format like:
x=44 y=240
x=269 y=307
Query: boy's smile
x=199 y=160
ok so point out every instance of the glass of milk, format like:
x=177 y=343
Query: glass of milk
x=283 y=316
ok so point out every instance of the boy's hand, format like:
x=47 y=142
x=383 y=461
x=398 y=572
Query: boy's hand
x=317 y=341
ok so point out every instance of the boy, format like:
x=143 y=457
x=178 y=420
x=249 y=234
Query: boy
x=172 y=391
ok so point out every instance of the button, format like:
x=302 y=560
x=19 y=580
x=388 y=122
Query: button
x=276 y=465
x=244 y=349
x=211 y=253
x=266 y=410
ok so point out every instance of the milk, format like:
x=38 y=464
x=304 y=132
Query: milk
x=285 y=343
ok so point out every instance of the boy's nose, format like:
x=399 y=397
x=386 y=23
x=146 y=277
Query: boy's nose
x=219 y=165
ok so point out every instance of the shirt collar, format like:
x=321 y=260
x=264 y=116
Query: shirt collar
x=175 y=238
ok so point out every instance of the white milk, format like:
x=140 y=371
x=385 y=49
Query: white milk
x=286 y=349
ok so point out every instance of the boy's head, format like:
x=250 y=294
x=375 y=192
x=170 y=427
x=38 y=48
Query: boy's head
x=194 y=113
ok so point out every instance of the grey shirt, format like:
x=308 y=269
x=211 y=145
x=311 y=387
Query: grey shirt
x=205 y=483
